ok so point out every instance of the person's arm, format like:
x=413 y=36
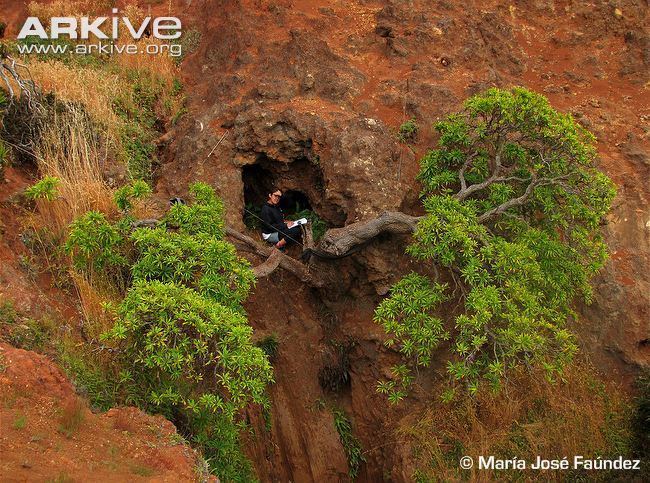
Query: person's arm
x=272 y=219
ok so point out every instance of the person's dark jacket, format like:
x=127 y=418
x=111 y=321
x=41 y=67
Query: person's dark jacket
x=273 y=219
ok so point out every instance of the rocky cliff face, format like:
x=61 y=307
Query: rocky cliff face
x=309 y=95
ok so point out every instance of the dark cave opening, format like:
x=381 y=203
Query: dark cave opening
x=294 y=201
x=301 y=182
x=258 y=183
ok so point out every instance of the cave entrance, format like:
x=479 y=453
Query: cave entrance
x=302 y=185
x=258 y=183
x=294 y=201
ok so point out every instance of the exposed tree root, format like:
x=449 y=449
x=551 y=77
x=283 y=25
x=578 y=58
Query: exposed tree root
x=336 y=243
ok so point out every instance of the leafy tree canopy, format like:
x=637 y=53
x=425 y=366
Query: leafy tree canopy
x=513 y=205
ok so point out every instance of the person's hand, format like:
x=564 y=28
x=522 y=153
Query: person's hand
x=290 y=223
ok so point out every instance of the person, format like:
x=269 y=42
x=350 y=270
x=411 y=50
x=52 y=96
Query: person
x=275 y=229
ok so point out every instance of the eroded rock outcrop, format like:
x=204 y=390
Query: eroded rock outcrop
x=312 y=94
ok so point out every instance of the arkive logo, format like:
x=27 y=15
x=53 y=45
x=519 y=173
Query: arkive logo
x=162 y=28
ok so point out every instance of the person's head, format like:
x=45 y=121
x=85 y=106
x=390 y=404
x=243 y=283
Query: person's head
x=274 y=196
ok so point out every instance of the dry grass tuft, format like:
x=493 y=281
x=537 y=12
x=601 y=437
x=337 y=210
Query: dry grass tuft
x=69 y=8
x=92 y=297
x=530 y=417
x=71 y=150
x=95 y=89
x=122 y=421
x=73 y=414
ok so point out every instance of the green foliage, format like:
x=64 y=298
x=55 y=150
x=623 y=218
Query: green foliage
x=513 y=204
x=397 y=387
x=127 y=194
x=408 y=131
x=20 y=422
x=269 y=345
x=641 y=420
x=96 y=244
x=407 y=315
x=203 y=217
x=218 y=436
x=183 y=344
x=318 y=225
x=45 y=189
x=351 y=445
x=4 y=152
x=180 y=339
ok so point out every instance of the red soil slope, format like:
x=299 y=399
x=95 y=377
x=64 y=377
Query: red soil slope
x=39 y=440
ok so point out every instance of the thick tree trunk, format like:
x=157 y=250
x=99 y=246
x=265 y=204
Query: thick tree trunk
x=336 y=243
x=339 y=242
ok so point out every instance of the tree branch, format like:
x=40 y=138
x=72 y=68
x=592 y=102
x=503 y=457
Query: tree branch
x=465 y=191
x=519 y=201
x=26 y=86
x=276 y=259
x=338 y=242
x=461 y=173
x=266 y=268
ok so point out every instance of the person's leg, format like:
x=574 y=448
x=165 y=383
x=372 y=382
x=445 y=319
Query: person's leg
x=294 y=234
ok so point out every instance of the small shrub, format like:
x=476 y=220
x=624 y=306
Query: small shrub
x=45 y=189
x=408 y=131
x=318 y=225
x=269 y=345
x=142 y=470
x=351 y=445
x=20 y=422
